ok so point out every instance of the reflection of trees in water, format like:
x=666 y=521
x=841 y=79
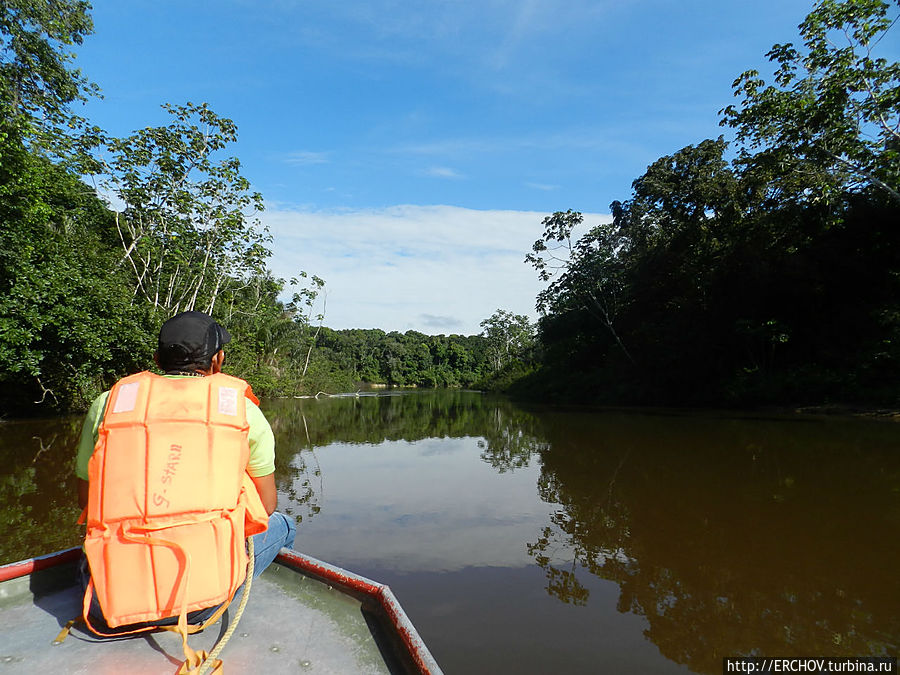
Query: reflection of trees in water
x=729 y=537
x=591 y=531
x=450 y=413
x=510 y=435
x=38 y=507
x=305 y=487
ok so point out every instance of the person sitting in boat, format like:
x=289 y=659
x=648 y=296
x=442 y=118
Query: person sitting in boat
x=174 y=472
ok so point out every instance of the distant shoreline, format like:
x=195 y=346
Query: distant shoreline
x=849 y=410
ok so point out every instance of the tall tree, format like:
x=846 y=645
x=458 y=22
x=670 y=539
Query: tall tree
x=509 y=337
x=307 y=326
x=38 y=83
x=833 y=113
x=586 y=273
x=188 y=230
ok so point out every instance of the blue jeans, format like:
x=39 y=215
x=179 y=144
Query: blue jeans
x=266 y=545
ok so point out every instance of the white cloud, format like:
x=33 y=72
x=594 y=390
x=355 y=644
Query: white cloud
x=542 y=186
x=607 y=140
x=304 y=157
x=435 y=269
x=443 y=172
x=441 y=323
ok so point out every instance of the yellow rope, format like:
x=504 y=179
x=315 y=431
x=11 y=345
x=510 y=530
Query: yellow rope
x=214 y=654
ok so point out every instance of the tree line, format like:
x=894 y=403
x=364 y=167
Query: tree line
x=762 y=270
x=84 y=285
x=348 y=358
x=766 y=270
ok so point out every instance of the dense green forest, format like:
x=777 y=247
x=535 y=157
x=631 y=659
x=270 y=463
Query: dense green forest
x=762 y=271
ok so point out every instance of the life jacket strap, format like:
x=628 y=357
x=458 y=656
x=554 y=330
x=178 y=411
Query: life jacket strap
x=85 y=611
x=64 y=633
x=193 y=659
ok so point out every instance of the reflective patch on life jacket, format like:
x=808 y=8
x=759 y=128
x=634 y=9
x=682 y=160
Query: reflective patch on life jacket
x=126 y=397
x=228 y=399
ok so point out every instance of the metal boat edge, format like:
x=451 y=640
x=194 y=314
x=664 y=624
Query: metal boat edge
x=379 y=593
x=346 y=581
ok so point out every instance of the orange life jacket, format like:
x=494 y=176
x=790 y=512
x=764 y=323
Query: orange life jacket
x=170 y=501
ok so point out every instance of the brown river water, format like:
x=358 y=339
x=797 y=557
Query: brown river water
x=542 y=540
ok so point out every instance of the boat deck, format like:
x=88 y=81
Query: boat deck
x=292 y=623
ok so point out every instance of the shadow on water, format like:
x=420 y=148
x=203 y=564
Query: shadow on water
x=729 y=536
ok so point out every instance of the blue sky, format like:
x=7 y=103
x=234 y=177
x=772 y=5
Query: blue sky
x=408 y=151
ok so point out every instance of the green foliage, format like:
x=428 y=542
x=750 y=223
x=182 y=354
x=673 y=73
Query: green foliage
x=64 y=328
x=507 y=378
x=723 y=294
x=37 y=83
x=83 y=289
x=834 y=110
x=36 y=79
x=509 y=338
x=409 y=359
x=185 y=231
x=769 y=278
x=772 y=275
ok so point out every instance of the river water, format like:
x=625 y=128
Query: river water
x=540 y=540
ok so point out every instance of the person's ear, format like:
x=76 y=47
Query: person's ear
x=217 y=362
x=156 y=360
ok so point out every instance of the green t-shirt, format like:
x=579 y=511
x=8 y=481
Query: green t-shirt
x=261 y=439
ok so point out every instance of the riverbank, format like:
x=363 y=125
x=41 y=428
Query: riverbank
x=830 y=409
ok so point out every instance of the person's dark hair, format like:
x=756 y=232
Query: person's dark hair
x=189 y=341
x=176 y=367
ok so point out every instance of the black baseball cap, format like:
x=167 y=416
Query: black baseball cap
x=190 y=338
